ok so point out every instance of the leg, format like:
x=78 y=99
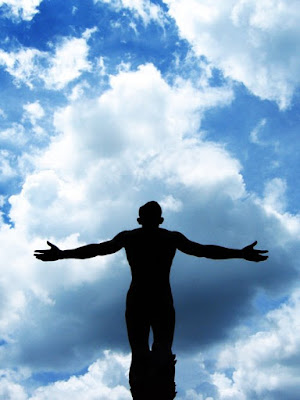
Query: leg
x=138 y=329
x=163 y=325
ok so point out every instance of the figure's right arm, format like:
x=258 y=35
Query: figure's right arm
x=88 y=251
x=218 y=252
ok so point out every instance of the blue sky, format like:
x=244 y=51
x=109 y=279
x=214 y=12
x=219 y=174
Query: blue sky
x=107 y=104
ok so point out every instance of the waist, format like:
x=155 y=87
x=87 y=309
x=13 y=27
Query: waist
x=150 y=291
x=149 y=284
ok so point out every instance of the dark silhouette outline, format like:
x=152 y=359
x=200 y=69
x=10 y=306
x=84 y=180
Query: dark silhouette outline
x=149 y=304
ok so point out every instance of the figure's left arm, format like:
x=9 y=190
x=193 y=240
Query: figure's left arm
x=88 y=251
x=218 y=252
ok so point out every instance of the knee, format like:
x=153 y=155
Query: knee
x=161 y=348
x=140 y=352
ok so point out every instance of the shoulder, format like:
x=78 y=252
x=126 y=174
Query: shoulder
x=124 y=236
x=173 y=235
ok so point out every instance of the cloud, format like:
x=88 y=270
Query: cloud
x=30 y=66
x=21 y=9
x=17 y=143
x=140 y=140
x=264 y=364
x=6 y=168
x=105 y=379
x=144 y=9
x=170 y=203
x=10 y=388
x=34 y=111
x=22 y=65
x=247 y=40
x=254 y=134
x=67 y=64
x=134 y=139
x=274 y=196
x=2 y=114
x=14 y=136
x=79 y=90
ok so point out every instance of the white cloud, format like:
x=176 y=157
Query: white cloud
x=274 y=203
x=69 y=61
x=105 y=379
x=6 y=169
x=34 y=112
x=264 y=364
x=136 y=130
x=142 y=140
x=255 y=133
x=102 y=381
x=23 y=65
x=144 y=9
x=67 y=64
x=78 y=91
x=169 y=202
x=275 y=194
x=88 y=173
x=15 y=135
x=253 y=42
x=101 y=66
x=11 y=391
x=2 y=114
x=21 y=9
x=87 y=34
x=2 y=200
x=192 y=395
x=139 y=140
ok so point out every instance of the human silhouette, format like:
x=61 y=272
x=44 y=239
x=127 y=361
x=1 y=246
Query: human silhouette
x=149 y=304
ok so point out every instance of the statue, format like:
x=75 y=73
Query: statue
x=149 y=304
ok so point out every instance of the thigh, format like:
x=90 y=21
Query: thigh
x=163 y=325
x=138 y=325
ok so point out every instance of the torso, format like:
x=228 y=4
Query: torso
x=150 y=254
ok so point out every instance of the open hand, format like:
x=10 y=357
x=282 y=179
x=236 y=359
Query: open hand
x=250 y=254
x=52 y=254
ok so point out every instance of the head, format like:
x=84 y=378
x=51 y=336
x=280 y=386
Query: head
x=150 y=215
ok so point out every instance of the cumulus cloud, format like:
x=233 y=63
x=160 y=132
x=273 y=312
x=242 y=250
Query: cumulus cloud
x=10 y=388
x=140 y=140
x=116 y=138
x=105 y=379
x=21 y=9
x=250 y=41
x=264 y=364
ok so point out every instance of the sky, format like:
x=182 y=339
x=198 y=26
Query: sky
x=108 y=104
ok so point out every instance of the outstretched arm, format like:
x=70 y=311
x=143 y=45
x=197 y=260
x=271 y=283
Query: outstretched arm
x=218 y=252
x=88 y=251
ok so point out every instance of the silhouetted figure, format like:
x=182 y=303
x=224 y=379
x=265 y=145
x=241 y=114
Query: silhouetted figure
x=150 y=251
